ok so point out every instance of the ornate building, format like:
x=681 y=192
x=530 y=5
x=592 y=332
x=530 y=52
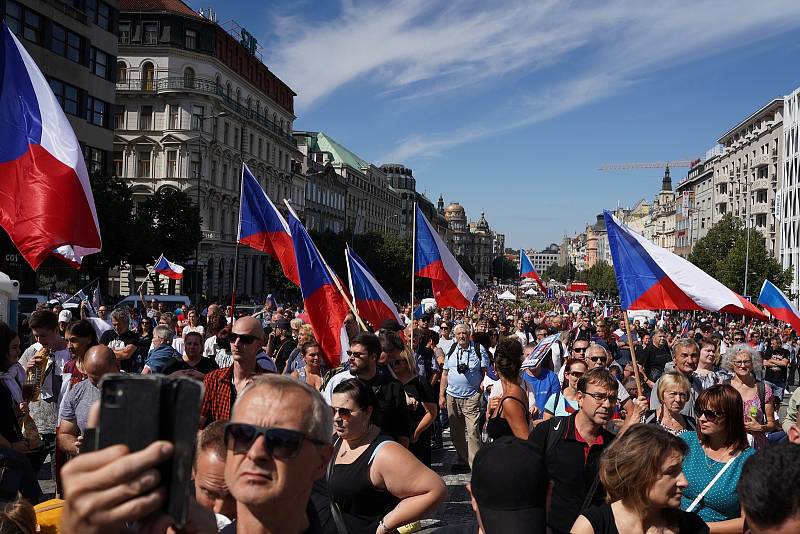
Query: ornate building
x=194 y=101
x=662 y=216
x=401 y=178
x=474 y=241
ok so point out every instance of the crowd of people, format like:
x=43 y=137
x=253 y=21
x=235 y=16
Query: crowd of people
x=564 y=418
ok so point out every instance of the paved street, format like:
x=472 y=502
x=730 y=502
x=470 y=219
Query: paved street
x=456 y=510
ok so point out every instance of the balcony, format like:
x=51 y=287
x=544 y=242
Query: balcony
x=759 y=209
x=761 y=160
x=761 y=183
x=206 y=86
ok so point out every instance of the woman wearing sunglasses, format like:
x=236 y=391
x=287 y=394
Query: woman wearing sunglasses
x=421 y=402
x=758 y=411
x=672 y=391
x=375 y=484
x=717 y=452
x=565 y=402
x=641 y=474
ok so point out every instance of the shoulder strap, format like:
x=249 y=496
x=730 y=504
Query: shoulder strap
x=711 y=484
x=590 y=494
x=341 y=528
x=762 y=395
x=555 y=402
x=554 y=434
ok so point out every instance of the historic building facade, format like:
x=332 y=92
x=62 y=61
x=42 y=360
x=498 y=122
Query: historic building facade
x=193 y=103
x=474 y=241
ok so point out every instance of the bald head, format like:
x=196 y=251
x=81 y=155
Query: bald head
x=98 y=361
x=248 y=325
x=246 y=338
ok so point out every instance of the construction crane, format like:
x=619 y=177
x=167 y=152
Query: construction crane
x=649 y=165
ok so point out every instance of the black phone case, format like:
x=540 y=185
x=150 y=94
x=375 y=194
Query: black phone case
x=173 y=406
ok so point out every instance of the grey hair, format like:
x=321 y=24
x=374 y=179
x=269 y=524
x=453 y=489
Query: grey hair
x=684 y=342
x=318 y=421
x=122 y=315
x=742 y=348
x=164 y=333
x=594 y=348
x=463 y=326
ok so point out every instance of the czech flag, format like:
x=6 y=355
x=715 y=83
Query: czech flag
x=778 y=305
x=432 y=259
x=370 y=299
x=45 y=196
x=262 y=227
x=652 y=278
x=324 y=304
x=168 y=269
x=526 y=270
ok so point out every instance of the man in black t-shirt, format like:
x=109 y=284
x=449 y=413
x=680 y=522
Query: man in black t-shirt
x=655 y=356
x=192 y=364
x=776 y=366
x=123 y=341
x=281 y=344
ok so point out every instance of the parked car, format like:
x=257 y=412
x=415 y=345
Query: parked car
x=172 y=301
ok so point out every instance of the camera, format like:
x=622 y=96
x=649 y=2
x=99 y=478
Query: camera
x=462 y=368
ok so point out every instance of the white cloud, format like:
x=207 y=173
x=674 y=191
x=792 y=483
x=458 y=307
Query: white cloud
x=416 y=48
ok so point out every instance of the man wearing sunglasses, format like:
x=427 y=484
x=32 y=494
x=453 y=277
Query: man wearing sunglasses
x=224 y=385
x=278 y=443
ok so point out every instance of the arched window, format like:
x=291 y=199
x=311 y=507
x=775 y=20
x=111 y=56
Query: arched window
x=249 y=103
x=122 y=72
x=218 y=83
x=228 y=89
x=148 y=77
x=238 y=95
x=258 y=108
x=188 y=78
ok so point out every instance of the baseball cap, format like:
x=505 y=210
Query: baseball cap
x=65 y=316
x=506 y=484
x=283 y=324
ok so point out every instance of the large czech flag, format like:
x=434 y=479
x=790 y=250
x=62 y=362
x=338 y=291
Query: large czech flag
x=652 y=278
x=45 y=196
x=451 y=285
x=526 y=270
x=370 y=299
x=324 y=304
x=262 y=227
x=168 y=268
x=778 y=305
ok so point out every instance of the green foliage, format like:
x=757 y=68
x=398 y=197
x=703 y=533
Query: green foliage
x=504 y=269
x=560 y=273
x=113 y=200
x=722 y=252
x=601 y=279
x=169 y=223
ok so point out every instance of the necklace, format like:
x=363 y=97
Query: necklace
x=725 y=453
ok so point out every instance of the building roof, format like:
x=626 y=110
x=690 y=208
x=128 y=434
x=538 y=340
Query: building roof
x=160 y=6
x=320 y=142
x=770 y=107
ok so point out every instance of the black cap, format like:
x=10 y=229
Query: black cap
x=283 y=324
x=506 y=484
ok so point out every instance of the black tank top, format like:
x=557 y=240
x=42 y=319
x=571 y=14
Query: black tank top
x=602 y=521
x=497 y=426
x=362 y=504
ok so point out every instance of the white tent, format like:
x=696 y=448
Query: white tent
x=506 y=295
x=531 y=291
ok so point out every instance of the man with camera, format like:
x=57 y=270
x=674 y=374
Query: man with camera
x=459 y=392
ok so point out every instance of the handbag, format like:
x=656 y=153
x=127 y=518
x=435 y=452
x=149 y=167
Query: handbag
x=711 y=484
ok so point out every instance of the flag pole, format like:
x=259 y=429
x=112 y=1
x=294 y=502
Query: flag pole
x=349 y=277
x=236 y=250
x=334 y=277
x=633 y=353
x=413 y=267
x=149 y=272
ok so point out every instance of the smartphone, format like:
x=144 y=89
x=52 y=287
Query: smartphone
x=136 y=410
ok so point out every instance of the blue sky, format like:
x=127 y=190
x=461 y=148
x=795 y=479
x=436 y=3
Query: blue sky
x=509 y=107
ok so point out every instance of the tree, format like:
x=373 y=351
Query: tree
x=113 y=201
x=717 y=243
x=601 y=279
x=174 y=227
x=560 y=273
x=504 y=269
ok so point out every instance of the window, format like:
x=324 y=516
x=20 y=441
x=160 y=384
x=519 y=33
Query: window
x=150 y=32
x=148 y=77
x=118 y=163
x=96 y=111
x=143 y=164
x=172 y=163
x=146 y=118
x=224 y=180
x=104 y=16
x=225 y=132
x=32 y=27
x=122 y=72
x=260 y=147
x=67 y=96
x=14 y=17
x=212 y=217
x=188 y=77
x=95 y=159
x=191 y=39
x=119 y=117
x=251 y=144
x=174 y=116
x=213 y=179
x=198 y=112
x=98 y=62
x=195 y=163
x=236 y=137
x=125 y=33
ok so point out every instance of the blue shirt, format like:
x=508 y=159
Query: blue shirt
x=467 y=384
x=542 y=386
x=721 y=502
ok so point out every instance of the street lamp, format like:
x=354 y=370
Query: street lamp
x=200 y=124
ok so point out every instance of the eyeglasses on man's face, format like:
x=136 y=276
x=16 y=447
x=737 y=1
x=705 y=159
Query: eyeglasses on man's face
x=602 y=397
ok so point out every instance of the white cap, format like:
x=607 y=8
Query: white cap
x=65 y=316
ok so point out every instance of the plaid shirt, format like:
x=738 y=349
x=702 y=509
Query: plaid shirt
x=220 y=395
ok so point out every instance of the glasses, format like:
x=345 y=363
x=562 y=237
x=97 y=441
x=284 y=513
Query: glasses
x=444 y=327
x=356 y=354
x=598 y=358
x=738 y=339
x=580 y=349
x=278 y=442
x=246 y=339
x=344 y=413
x=397 y=363
x=743 y=363
x=710 y=415
x=576 y=374
x=602 y=397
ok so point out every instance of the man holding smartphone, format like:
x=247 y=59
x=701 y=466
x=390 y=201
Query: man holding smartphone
x=223 y=386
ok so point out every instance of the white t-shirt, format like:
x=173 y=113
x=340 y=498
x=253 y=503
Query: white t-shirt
x=445 y=344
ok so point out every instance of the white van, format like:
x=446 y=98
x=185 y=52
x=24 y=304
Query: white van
x=172 y=301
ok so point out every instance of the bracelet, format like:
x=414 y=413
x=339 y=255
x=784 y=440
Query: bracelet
x=384 y=528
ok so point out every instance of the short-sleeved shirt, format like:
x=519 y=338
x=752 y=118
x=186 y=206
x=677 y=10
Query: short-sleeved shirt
x=776 y=374
x=78 y=402
x=465 y=385
x=543 y=386
x=721 y=502
x=220 y=395
x=115 y=341
x=205 y=366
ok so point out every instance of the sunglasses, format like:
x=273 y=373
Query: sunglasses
x=576 y=374
x=397 y=363
x=344 y=413
x=581 y=350
x=356 y=354
x=710 y=415
x=598 y=358
x=246 y=339
x=278 y=442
